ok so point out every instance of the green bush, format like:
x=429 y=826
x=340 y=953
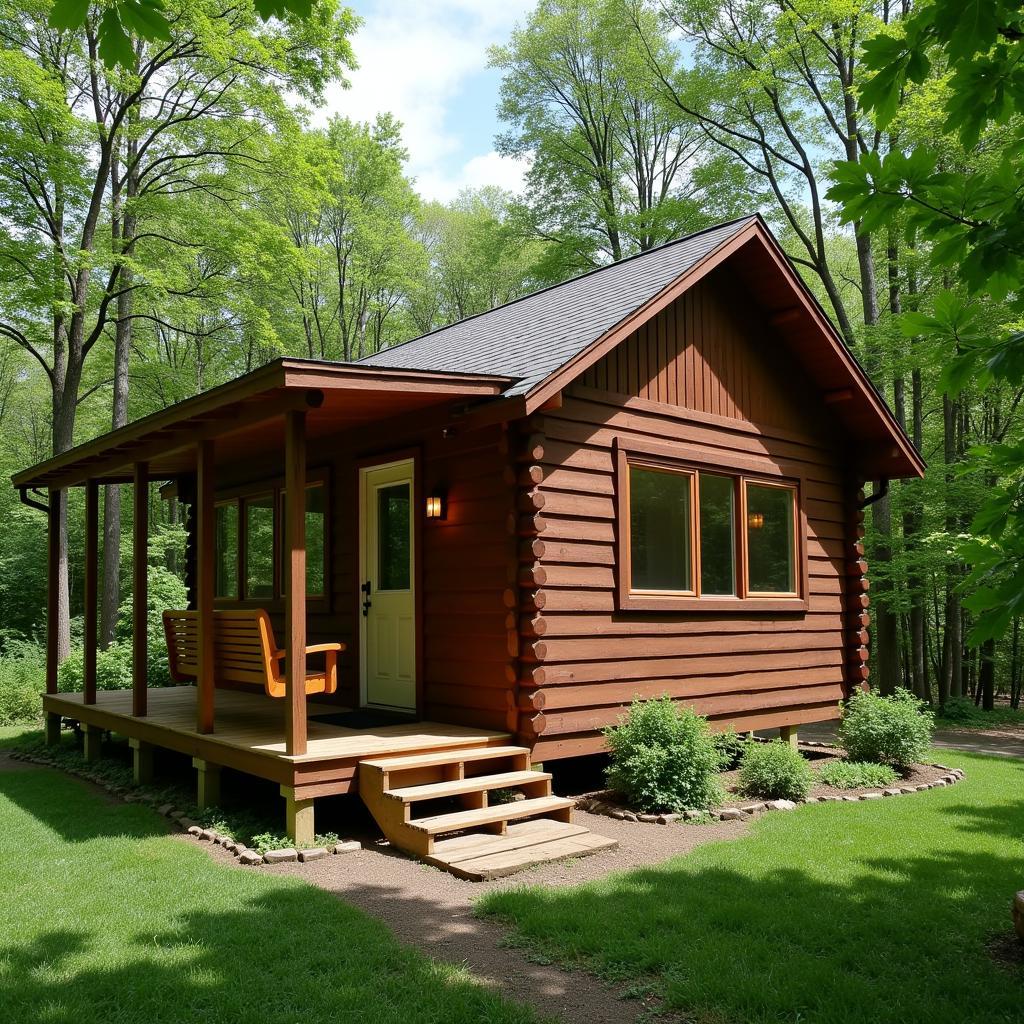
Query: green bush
x=730 y=747
x=22 y=680
x=894 y=730
x=857 y=774
x=663 y=757
x=775 y=771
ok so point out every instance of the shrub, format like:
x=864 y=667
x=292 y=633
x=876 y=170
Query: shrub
x=663 y=757
x=894 y=730
x=22 y=680
x=857 y=774
x=730 y=747
x=775 y=771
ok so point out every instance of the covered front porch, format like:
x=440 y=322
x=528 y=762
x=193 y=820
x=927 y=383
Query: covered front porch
x=250 y=738
x=260 y=425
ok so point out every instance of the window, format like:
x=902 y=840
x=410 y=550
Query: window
x=717 y=535
x=660 y=522
x=225 y=573
x=705 y=539
x=771 y=559
x=259 y=546
x=316 y=536
x=249 y=544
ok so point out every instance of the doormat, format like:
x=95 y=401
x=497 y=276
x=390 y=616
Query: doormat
x=364 y=718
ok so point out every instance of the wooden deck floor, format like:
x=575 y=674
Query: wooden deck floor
x=249 y=734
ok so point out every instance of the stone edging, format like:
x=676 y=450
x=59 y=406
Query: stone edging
x=598 y=806
x=240 y=851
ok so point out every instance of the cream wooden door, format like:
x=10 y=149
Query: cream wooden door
x=388 y=595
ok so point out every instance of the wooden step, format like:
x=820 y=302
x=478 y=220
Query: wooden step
x=459 y=820
x=441 y=757
x=474 y=784
x=481 y=857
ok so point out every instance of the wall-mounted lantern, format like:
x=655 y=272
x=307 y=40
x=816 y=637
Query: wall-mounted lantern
x=437 y=504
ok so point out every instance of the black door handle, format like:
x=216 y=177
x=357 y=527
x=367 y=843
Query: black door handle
x=365 y=588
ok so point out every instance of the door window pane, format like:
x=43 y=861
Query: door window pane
x=717 y=535
x=225 y=572
x=659 y=530
x=394 y=549
x=771 y=565
x=259 y=547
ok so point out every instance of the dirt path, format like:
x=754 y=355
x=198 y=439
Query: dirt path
x=993 y=742
x=433 y=911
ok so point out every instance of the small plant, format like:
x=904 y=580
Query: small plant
x=894 y=730
x=22 y=680
x=730 y=746
x=264 y=842
x=857 y=774
x=663 y=757
x=775 y=771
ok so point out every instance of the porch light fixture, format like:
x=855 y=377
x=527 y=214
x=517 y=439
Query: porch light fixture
x=755 y=520
x=437 y=504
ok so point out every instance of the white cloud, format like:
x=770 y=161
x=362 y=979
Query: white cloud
x=415 y=58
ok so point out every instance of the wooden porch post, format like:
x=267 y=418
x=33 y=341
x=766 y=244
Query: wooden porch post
x=205 y=527
x=92 y=519
x=295 y=580
x=140 y=602
x=52 y=563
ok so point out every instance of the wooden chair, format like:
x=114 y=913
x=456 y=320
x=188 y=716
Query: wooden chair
x=244 y=651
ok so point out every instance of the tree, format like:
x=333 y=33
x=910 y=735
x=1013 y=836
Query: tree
x=612 y=170
x=973 y=221
x=71 y=131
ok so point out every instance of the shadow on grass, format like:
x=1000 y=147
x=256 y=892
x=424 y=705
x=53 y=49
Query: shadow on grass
x=128 y=929
x=879 y=913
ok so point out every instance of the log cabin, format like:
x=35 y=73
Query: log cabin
x=479 y=546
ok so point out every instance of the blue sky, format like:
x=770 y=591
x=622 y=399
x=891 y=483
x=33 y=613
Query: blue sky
x=426 y=62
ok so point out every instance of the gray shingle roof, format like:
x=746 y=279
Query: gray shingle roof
x=530 y=338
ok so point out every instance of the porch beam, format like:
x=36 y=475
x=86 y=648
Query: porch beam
x=295 y=581
x=205 y=520
x=140 y=602
x=91 y=596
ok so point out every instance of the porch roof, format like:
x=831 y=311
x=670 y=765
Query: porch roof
x=245 y=415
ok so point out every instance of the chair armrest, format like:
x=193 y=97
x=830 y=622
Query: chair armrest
x=277 y=655
x=322 y=648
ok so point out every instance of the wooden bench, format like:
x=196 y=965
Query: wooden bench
x=244 y=652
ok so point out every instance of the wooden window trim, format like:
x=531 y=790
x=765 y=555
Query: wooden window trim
x=274 y=488
x=629 y=451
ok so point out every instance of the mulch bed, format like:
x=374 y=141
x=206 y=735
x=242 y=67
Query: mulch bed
x=736 y=806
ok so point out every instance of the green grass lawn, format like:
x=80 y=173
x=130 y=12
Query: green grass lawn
x=108 y=918
x=873 y=912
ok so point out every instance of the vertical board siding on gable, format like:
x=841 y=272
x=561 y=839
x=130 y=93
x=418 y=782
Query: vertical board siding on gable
x=698 y=378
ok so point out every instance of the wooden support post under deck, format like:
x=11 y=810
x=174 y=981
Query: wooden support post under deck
x=142 y=761
x=788 y=734
x=299 y=817
x=52 y=609
x=205 y=521
x=140 y=602
x=93 y=743
x=91 y=595
x=207 y=782
x=295 y=581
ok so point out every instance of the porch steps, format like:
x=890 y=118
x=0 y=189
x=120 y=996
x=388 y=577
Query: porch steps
x=438 y=806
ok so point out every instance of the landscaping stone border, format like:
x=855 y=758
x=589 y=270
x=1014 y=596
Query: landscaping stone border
x=595 y=805
x=180 y=819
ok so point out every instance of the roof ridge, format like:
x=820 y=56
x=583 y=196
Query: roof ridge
x=569 y=280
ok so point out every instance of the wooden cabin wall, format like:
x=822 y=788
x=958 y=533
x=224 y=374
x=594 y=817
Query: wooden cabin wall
x=706 y=376
x=465 y=560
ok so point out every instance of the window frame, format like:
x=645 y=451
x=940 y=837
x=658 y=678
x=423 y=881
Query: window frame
x=742 y=470
x=274 y=488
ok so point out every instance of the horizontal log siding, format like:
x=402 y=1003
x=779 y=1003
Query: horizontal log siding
x=586 y=661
